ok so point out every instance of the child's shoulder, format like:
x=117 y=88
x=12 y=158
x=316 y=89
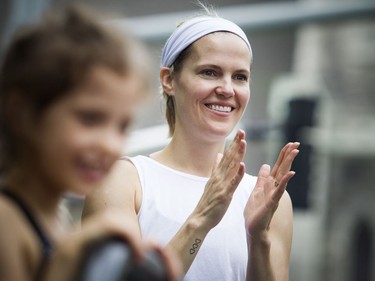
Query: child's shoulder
x=12 y=220
x=15 y=228
x=8 y=212
x=19 y=249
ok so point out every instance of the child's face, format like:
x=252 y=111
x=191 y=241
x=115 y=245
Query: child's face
x=82 y=135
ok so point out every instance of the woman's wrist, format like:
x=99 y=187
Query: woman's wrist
x=260 y=240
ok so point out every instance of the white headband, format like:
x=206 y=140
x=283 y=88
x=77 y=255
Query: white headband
x=192 y=30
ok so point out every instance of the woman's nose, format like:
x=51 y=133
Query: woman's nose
x=225 y=88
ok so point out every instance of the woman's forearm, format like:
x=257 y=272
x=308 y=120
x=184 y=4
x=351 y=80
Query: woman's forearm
x=259 y=263
x=188 y=241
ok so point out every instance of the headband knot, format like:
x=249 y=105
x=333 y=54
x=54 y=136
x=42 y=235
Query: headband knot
x=191 y=30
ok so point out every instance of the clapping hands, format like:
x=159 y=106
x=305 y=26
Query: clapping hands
x=268 y=191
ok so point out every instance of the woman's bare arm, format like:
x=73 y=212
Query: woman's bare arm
x=214 y=202
x=268 y=220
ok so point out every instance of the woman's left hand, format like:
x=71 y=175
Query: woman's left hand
x=267 y=192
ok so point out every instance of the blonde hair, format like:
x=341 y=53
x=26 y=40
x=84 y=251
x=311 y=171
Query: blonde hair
x=170 y=114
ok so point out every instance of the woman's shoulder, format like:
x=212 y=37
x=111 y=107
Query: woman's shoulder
x=134 y=161
x=122 y=167
x=142 y=165
x=119 y=189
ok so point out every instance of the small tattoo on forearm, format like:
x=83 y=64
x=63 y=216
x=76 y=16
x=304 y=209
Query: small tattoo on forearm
x=195 y=246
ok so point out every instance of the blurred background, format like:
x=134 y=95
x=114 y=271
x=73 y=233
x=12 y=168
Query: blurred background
x=312 y=82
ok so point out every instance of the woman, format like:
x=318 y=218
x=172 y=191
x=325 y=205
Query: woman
x=225 y=224
x=68 y=92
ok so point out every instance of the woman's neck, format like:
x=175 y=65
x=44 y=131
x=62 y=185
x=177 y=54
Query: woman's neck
x=193 y=156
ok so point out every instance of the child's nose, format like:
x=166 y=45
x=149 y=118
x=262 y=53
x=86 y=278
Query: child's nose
x=112 y=143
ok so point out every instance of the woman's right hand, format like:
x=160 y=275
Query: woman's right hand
x=226 y=176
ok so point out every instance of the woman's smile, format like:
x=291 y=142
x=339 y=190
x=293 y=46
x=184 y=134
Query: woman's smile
x=220 y=108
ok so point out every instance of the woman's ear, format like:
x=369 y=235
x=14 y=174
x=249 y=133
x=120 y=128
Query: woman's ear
x=166 y=80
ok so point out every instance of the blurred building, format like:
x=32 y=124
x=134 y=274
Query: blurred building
x=327 y=102
x=313 y=81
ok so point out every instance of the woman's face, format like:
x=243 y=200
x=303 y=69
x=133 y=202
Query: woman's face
x=81 y=135
x=212 y=90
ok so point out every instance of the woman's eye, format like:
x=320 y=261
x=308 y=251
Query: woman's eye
x=241 y=77
x=208 y=72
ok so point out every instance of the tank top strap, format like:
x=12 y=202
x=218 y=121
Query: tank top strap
x=44 y=240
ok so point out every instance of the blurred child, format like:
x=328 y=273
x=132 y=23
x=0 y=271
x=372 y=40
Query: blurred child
x=69 y=87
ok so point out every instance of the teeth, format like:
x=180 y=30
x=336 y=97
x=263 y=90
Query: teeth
x=220 y=108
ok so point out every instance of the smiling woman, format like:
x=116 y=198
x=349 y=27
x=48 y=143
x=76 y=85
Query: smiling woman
x=193 y=195
x=225 y=72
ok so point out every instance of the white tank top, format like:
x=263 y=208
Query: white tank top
x=170 y=196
